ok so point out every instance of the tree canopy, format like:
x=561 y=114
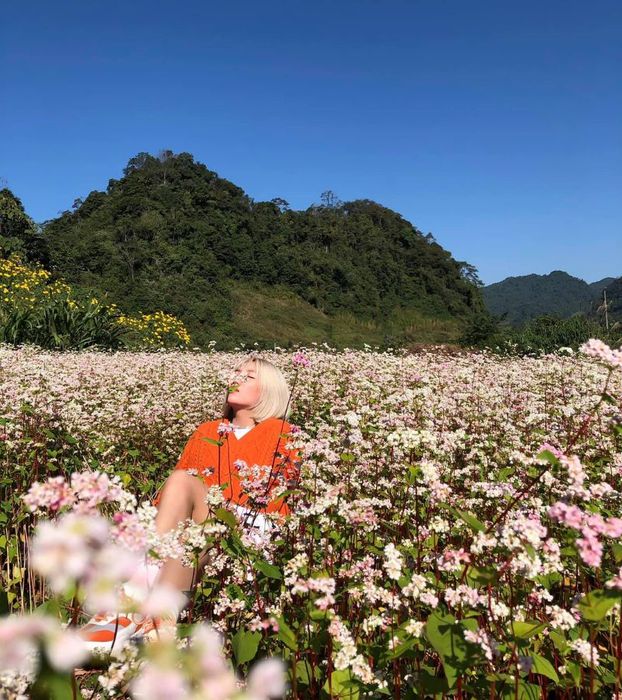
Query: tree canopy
x=171 y=234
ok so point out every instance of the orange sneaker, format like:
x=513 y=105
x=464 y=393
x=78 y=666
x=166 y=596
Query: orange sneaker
x=108 y=632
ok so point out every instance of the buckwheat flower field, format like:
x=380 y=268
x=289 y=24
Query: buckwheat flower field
x=456 y=531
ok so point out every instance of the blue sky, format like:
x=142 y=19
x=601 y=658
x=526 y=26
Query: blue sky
x=494 y=125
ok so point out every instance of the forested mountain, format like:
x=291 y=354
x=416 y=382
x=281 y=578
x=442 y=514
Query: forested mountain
x=597 y=288
x=614 y=299
x=171 y=234
x=529 y=296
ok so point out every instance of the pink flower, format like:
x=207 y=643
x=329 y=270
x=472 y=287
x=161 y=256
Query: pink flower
x=129 y=531
x=452 y=559
x=52 y=495
x=569 y=515
x=613 y=527
x=594 y=524
x=590 y=550
x=616 y=581
x=601 y=351
x=20 y=635
x=93 y=488
x=301 y=360
x=576 y=471
x=112 y=566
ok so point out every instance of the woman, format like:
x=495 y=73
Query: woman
x=253 y=431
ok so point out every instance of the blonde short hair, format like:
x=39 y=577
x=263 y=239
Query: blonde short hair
x=274 y=391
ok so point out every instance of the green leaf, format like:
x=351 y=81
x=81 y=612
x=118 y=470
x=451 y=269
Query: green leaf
x=596 y=604
x=429 y=683
x=219 y=443
x=226 y=516
x=268 y=570
x=526 y=629
x=286 y=635
x=53 y=686
x=470 y=520
x=245 y=645
x=402 y=648
x=50 y=607
x=617 y=551
x=303 y=672
x=412 y=475
x=526 y=691
x=608 y=398
x=559 y=641
x=342 y=685
x=574 y=670
x=317 y=615
x=544 y=667
x=482 y=575
x=547 y=456
x=446 y=635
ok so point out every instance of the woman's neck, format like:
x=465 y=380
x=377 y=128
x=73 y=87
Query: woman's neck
x=243 y=418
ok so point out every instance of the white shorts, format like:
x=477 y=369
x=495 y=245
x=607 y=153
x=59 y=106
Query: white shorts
x=251 y=520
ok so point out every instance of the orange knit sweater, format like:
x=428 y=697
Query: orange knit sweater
x=258 y=446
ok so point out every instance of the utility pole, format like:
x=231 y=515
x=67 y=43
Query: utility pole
x=604 y=307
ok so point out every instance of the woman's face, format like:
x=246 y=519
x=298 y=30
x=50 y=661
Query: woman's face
x=244 y=389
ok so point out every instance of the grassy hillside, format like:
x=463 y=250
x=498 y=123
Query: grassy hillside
x=264 y=313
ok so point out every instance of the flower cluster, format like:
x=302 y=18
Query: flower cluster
x=155 y=330
x=601 y=351
x=24 y=287
x=591 y=526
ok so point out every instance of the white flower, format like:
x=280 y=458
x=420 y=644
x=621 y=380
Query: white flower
x=62 y=551
x=164 y=600
x=414 y=627
x=267 y=680
x=154 y=683
x=112 y=566
x=65 y=649
x=393 y=562
x=586 y=651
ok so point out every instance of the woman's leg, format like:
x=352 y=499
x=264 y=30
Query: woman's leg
x=183 y=496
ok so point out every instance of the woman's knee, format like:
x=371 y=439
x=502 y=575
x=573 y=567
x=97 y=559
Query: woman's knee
x=179 y=485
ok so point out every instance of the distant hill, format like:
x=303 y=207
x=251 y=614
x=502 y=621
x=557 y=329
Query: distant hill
x=598 y=287
x=614 y=299
x=528 y=296
x=173 y=235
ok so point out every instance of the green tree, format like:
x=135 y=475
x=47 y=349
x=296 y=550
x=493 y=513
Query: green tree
x=18 y=232
x=171 y=234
